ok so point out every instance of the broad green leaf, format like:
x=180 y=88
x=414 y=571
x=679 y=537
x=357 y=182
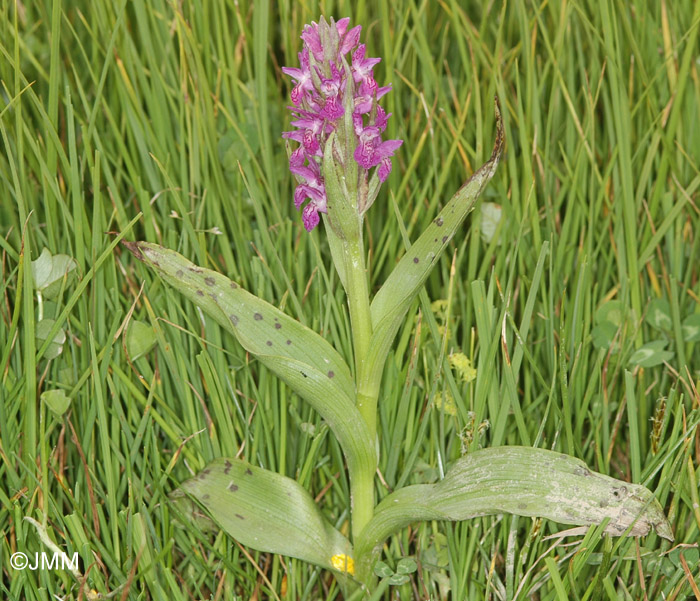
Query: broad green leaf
x=195 y=516
x=299 y=356
x=266 y=511
x=659 y=314
x=140 y=338
x=43 y=329
x=48 y=272
x=382 y=570
x=690 y=328
x=394 y=298
x=603 y=335
x=690 y=554
x=521 y=481
x=612 y=311
x=406 y=565
x=56 y=401
x=66 y=377
x=651 y=354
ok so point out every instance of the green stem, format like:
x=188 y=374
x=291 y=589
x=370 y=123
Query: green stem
x=362 y=491
x=361 y=322
x=362 y=486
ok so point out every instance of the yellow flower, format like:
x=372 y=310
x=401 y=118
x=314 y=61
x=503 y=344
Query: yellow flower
x=463 y=366
x=439 y=307
x=441 y=331
x=343 y=563
x=446 y=402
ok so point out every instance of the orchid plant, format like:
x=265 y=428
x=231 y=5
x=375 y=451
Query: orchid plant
x=340 y=163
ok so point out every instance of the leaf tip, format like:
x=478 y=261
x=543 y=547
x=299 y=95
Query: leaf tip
x=663 y=529
x=134 y=249
x=500 y=132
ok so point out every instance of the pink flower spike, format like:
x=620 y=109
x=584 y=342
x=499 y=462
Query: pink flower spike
x=364 y=154
x=304 y=191
x=350 y=40
x=310 y=216
x=384 y=170
x=297 y=158
x=301 y=76
x=312 y=40
x=381 y=119
x=362 y=67
x=297 y=136
x=310 y=142
x=369 y=154
x=341 y=26
x=333 y=109
x=383 y=90
x=307 y=173
x=293 y=72
x=331 y=87
x=325 y=86
x=357 y=123
x=363 y=105
x=387 y=149
x=299 y=196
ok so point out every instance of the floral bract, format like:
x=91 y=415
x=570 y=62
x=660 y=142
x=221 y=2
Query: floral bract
x=327 y=86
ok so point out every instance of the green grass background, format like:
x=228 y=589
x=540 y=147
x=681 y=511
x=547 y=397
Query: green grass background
x=161 y=121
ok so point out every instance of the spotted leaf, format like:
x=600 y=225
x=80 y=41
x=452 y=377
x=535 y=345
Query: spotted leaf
x=394 y=298
x=521 y=481
x=264 y=511
x=296 y=354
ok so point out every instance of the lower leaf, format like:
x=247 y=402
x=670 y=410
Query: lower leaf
x=267 y=512
x=521 y=481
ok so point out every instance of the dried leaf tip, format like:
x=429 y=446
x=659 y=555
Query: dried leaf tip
x=134 y=249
